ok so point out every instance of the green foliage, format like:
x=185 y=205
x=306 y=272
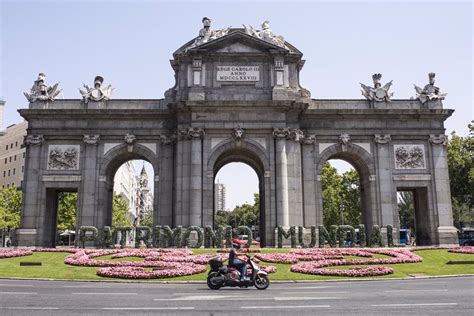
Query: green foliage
x=172 y=237
x=340 y=192
x=143 y=233
x=187 y=234
x=10 y=208
x=346 y=233
x=324 y=236
x=406 y=210
x=312 y=243
x=84 y=236
x=461 y=174
x=243 y=215
x=291 y=233
x=122 y=231
x=390 y=235
x=244 y=230
x=67 y=210
x=362 y=236
x=214 y=238
x=147 y=219
x=376 y=237
x=120 y=212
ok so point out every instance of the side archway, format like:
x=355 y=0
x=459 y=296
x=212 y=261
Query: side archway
x=253 y=155
x=109 y=166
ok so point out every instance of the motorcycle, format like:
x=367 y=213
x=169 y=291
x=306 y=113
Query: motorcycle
x=221 y=275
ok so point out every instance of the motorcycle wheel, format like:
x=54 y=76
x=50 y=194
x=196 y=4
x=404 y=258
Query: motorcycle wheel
x=262 y=282
x=211 y=282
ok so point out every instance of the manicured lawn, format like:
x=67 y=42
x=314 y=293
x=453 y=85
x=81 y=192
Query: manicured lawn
x=434 y=263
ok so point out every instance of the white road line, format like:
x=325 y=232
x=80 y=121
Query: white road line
x=102 y=293
x=17 y=285
x=415 y=304
x=18 y=293
x=315 y=293
x=306 y=298
x=32 y=308
x=421 y=290
x=147 y=308
x=199 y=298
x=285 y=307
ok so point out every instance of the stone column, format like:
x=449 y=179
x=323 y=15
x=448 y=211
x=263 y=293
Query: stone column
x=282 y=212
x=27 y=234
x=164 y=181
x=195 y=186
x=309 y=181
x=294 y=173
x=447 y=233
x=87 y=214
x=386 y=191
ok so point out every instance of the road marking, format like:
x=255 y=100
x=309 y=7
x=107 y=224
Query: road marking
x=147 y=308
x=421 y=290
x=415 y=304
x=31 y=308
x=16 y=285
x=211 y=297
x=312 y=287
x=284 y=307
x=19 y=293
x=103 y=293
x=304 y=298
x=318 y=293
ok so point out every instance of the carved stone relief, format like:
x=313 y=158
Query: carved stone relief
x=409 y=156
x=63 y=157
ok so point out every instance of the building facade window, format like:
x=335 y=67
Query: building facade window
x=8 y=172
x=4 y=173
x=14 y=158
x=6 y=160
x=10 y=159
x=23 y=155
x=14 y=170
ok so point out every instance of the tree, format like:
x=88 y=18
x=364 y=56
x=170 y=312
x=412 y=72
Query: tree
x=351 y=198
x=10 y=210
x=242 y=215
x=461 y=174
x=147 y=219
x=120 y=212
x=67 y=210
x=406 y=210
x=341 y=194
x=332 y=191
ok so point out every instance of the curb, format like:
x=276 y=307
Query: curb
x=275 y=281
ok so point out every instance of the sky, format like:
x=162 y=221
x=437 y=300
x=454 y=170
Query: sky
x=344 y=43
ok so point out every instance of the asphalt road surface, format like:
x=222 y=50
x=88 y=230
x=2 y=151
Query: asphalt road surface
x=438 y=296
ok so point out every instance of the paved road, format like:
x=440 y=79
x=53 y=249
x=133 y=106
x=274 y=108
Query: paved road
x=441 y=296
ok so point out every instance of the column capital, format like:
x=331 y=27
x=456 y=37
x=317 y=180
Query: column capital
x=281 y=132
x=35 y=139
x=382 y=138
x=295 y=134
x=91 y=139
x=440 y=139
x=190 y=133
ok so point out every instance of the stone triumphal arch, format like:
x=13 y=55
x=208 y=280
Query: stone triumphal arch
x=236 y=98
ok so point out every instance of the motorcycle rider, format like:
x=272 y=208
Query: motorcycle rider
x=237 y=262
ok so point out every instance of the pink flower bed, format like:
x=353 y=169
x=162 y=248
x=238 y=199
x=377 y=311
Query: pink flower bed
x=356 y=271
x=397 y=256
x=464 y=249
x=241 y=250
x=11 y=253
x=180 y=262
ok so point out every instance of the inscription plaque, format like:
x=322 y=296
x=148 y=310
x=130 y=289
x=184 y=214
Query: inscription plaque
x=238 y=73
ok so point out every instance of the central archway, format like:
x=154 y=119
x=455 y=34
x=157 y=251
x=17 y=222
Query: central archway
x=252 y=155
x=364 y=164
